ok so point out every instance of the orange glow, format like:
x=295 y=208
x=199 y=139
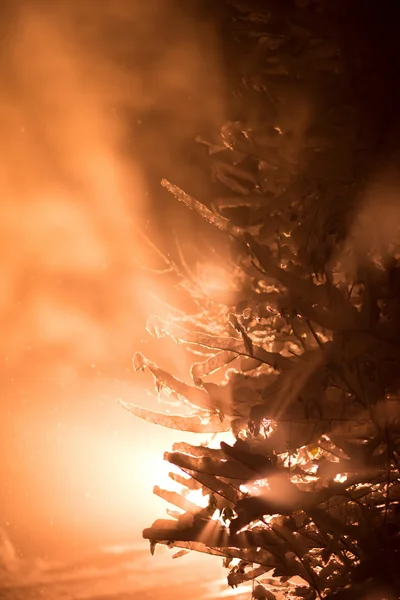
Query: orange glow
x=83 y=147
x=215 y=281
x=197 y=497
x=214 y=278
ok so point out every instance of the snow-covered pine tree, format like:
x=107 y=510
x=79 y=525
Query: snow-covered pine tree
x=305 y=501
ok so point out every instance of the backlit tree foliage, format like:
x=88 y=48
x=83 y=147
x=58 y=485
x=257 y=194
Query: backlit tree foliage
x=302 y=345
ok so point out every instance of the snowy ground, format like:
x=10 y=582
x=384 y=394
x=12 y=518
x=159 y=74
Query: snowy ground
x=119 y=574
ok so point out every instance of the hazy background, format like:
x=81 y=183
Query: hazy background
x=99 y=99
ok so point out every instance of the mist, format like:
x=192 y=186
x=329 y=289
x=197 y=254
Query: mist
x=99 y=100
